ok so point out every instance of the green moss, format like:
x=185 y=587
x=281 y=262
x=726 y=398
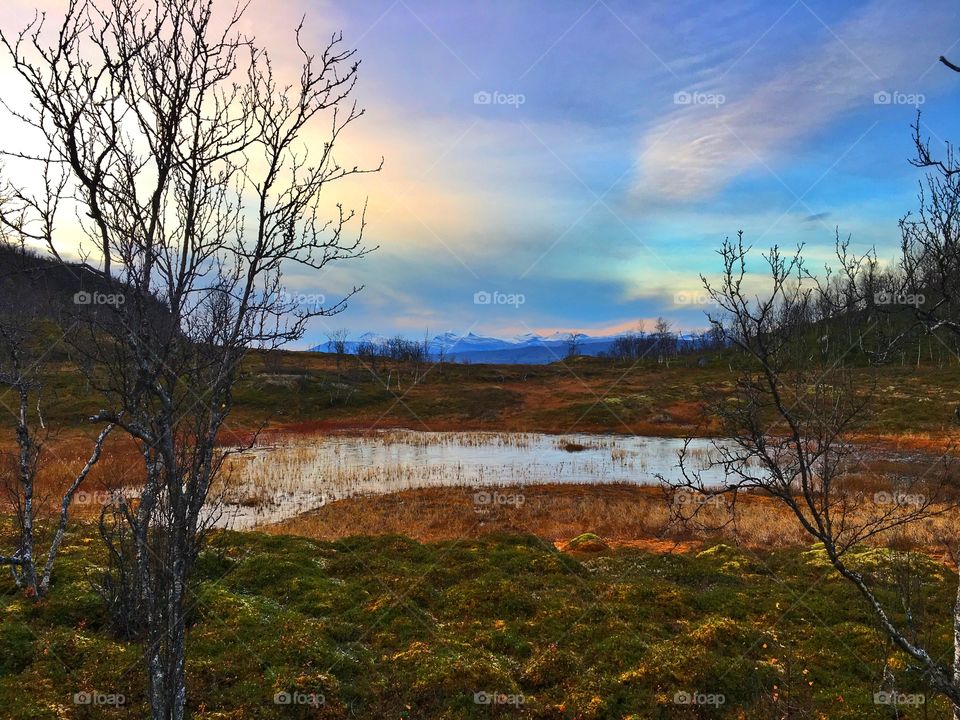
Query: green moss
x=389 y=628
x=588 y=542
x=16 y=647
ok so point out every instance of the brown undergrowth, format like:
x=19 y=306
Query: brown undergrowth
x=622 y=515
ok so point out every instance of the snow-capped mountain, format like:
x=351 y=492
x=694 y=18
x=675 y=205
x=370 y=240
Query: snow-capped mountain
x=530 y=348
x=452 y=341
x=554 y=339
x=527 y=348
x=372 y=338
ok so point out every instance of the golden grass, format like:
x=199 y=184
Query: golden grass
x=623 y=515
x=61 y=459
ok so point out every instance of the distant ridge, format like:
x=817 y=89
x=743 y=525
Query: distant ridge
x=526 y=349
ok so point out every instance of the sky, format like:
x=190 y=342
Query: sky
x=565 y=165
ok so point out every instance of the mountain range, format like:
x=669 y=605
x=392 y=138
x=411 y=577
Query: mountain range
x=526 y=349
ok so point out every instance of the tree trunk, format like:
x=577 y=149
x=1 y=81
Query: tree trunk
x=167 y=656
x=956 y=648
x=65 y=509
x=26 y=552
x=26 y=446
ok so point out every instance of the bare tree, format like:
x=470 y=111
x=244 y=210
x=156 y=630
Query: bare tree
x=665 y=340
x=188 y=157
x=422 y=358
x=788 y=431
x=631 y=346
x=337 y=342
x=574 y=344
x=441 y=355
x=22 y=372
x=797 y=404
x=930 y=243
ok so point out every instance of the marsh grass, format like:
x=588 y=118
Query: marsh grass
x=277 y=483
x=623 y=515
x=286 y=475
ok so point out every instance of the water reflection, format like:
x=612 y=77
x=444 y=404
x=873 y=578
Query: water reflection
x=272 y=483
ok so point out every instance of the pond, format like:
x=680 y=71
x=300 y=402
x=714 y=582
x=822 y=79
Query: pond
x=272 y=483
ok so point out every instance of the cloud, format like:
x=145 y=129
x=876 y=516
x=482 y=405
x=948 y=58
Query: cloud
x=609 y=329
x=742 y=123
x=483 y=196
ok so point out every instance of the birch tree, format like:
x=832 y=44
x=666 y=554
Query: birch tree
x=22 y=376
x=790 y=432
x=200 y=174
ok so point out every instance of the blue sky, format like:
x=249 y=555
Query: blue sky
x=587 y=185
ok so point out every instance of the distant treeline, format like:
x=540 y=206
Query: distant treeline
x=398 y=348
x=661 y=344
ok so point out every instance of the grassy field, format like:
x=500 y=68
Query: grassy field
x=583 y=394
x=389 y=628
x=314 y=391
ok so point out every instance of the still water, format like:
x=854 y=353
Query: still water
x=271 y=483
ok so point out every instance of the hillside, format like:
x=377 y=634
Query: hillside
x=312 y=390
x=39 y=286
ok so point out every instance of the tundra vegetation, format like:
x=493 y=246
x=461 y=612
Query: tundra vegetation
x=171 y=136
